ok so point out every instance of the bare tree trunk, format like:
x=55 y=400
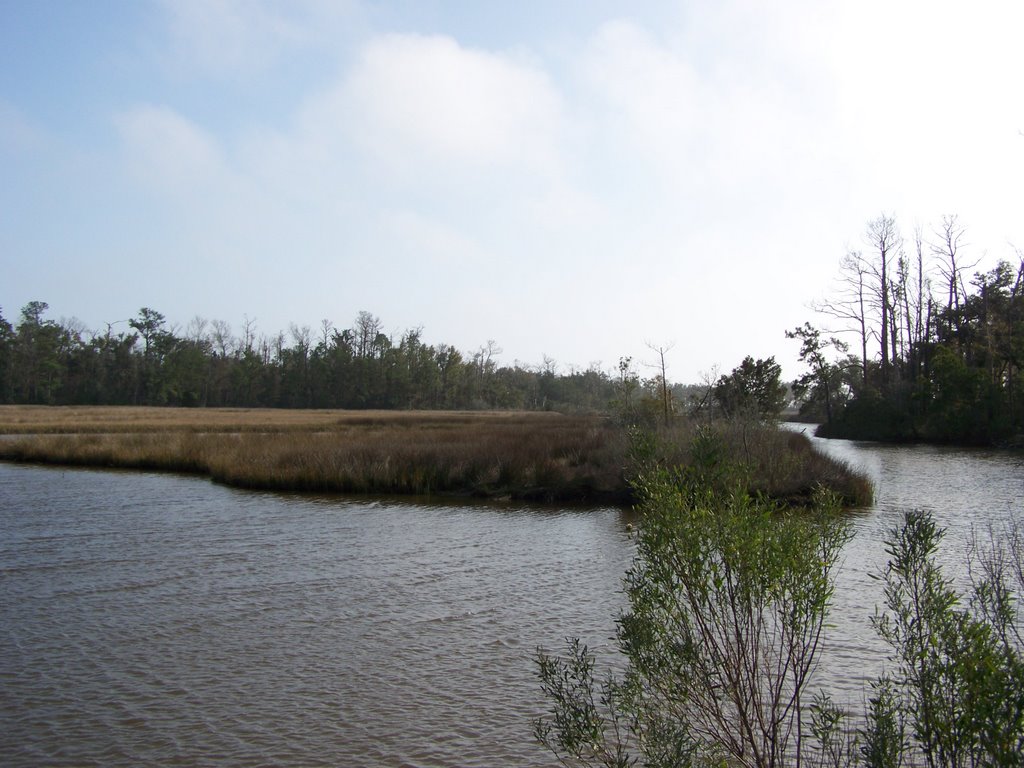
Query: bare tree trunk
x=851 y=305
x=885 y=239
x=664 y=394
x=951 y=266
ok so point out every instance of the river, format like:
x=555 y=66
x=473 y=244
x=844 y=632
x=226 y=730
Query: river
x=157 y=619
x=968 y=491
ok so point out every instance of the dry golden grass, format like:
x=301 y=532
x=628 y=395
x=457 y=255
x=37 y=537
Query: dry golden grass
x=784 y=464
x=85 y=419
x=522 y=454
x=529 y=455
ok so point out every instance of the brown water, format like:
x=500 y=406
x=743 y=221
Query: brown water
x=966 y=490
x=155 y=619
x=148 y=619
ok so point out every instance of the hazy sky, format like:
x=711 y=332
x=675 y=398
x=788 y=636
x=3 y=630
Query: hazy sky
x=570 y=178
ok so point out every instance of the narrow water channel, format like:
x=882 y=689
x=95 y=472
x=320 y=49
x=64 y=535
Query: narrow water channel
x=967 y=491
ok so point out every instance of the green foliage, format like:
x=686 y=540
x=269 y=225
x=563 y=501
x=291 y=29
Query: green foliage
x=753 y=389
x=823 y=385
x=6 y=358
x=38 y=351
x=885 y=732
x=586 y=721
x=150 y=325
x=835 y=744
x=355 y=368
x=949 y=372
x=959 y=677
x=870 y=416
x=637 y=402
x=958 y=402
x=728 y=597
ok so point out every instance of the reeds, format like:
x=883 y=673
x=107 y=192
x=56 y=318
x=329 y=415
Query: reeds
x=75 y=419
x=776 y=462
x=530 y=456
x=523 y=455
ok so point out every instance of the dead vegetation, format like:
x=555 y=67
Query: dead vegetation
x=524 y=455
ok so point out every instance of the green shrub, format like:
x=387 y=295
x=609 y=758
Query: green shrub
x=958 y=681
x=728 y=598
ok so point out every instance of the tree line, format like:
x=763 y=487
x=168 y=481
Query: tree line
x=150 y=362
x=923 y=347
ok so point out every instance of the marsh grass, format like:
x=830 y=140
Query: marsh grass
x=47 y=419
x=776 y=462
x=542 y=456
x=521 y=455
x=785 y=464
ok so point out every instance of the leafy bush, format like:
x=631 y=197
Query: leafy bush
x=958 y=681
x=728 y=598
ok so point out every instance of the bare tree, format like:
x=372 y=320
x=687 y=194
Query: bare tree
x=326 y=332
x=221 y=337
x=851 y=305
x=248 y=333
x=301 y=338
x=948 y=252
x=883 y=297
x=664 y=395
x=906 y=301
x=273 y=349
x=703 y=396
x=917 y=307
x=485 y=356
x=367 y=326
x=884 y=238
x=195 y=331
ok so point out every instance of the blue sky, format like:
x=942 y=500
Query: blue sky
x=571 y=179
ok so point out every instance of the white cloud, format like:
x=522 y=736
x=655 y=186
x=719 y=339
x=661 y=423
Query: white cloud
x=931 y=109
x=432 y=241
x=644 y=186
x=466 y=147
x=425 y=122
x=169 y=153
x=715 y=130
x=650 y=99
x=416 y=101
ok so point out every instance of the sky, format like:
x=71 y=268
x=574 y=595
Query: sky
x=575 y=180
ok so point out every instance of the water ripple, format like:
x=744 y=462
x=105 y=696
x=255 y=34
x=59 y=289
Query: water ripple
x=154 y=619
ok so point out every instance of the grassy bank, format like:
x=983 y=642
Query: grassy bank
x=524 y=455
x=778 y=463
